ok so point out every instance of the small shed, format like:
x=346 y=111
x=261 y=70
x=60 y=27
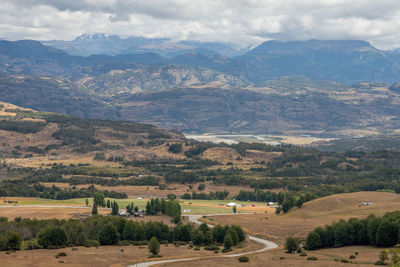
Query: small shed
x=367 y=203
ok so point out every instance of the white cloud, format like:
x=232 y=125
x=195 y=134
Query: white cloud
x=238 y=21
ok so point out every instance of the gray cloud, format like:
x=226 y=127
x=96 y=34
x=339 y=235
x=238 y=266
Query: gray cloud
x=236 y=21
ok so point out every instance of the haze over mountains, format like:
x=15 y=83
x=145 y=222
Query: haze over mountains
x=324 y=87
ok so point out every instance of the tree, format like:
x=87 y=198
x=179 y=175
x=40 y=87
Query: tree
x=94 y=209
x=108 y=235
x=313 y=241
x=201 y=187
x=343 y=234
x=12 y=241
x=278 y=210
x=240 y=233
x=98 y=199
x=386 y=235
x=175 y=148
x=198 y=237
x=286 y=205
x=204 y=228
x=208 y=238
x=292 y=244
x=114 y=208
x=218 y=233
x=154 y=246
x=234 y=235
x=87 y=201
x=55 y=236
x=108 y=204
x=129 y=231
x=228 y=242
x=234 y=209
x=300 y=202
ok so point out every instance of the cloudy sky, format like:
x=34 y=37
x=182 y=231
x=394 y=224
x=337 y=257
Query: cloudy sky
x=240 y=22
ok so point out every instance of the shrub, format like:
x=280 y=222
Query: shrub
x=91 y=243
x=344 y=260
x=212 y=247
x=243 y=259
x=303 y=254
x=154 y=246
x=292 y=244
x=123 y=243
x=312 y=258
x=11 y=241
x=62 y=254
x=352 y=257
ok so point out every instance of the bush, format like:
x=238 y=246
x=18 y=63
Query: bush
x=212 y=247
x=91 y=243
x=175 y=148
x=312 y=258
x=124 y=243
x=303 y=254
x=62 y=254
x=344 y=260
x=243 y=259
x=379 y=263
x=352 y=257
x=292 y=244
x=10 y=241
x=154 y=246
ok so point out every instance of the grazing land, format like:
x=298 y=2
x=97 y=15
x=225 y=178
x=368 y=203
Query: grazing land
x=319 y=212
x=105 y=255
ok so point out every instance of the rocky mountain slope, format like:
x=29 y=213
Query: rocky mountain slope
x=211 y=93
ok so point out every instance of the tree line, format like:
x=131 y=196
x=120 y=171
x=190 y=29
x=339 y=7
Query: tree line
x=376 y=231
x=218 y=195
x=108 y=230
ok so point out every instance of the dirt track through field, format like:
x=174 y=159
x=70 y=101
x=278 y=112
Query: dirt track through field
x=195 y=219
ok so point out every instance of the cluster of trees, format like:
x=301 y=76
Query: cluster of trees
x=22 y=126
x=170 y=207
x=284 y=199
x=218 y=195
x=108 y=230
x=262 y=196
x=382 y=232
x=22 y=188
x=175 y=148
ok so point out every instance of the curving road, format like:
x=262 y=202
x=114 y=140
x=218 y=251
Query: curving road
x=195 y=219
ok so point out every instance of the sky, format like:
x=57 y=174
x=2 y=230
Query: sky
x=232 y=21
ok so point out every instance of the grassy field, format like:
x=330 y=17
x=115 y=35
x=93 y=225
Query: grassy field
x=104 y=255
x=195 y=206
x=367 y=256
x=319 y=212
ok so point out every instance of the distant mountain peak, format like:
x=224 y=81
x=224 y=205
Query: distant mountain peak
x=96 y=37
x=274 y=46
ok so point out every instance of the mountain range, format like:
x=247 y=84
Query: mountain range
x=102 y=44
x=323 y=87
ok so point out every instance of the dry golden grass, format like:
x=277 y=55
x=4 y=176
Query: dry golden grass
x=319 y=212
x=326 y=257
x=46 y=213
x=104 y=255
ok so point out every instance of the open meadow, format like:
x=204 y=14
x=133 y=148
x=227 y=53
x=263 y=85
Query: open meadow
x=319 y=212
x=105 y=255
